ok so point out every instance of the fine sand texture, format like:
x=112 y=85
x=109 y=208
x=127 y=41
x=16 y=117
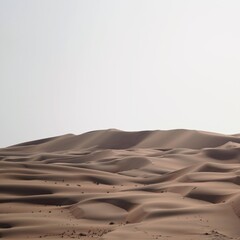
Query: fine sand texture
x=114 y=185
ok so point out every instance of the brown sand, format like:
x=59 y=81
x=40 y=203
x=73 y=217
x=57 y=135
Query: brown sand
x=110 y=184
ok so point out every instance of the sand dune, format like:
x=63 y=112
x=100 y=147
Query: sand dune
x=111 y=185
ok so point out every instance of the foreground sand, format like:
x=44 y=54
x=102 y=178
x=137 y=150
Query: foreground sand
x=110 y=184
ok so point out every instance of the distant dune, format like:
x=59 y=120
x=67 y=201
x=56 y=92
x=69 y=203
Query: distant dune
x=112 y=185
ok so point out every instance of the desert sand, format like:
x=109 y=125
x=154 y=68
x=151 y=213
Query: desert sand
x=112 y=185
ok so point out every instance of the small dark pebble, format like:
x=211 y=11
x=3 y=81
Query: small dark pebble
x=82 y=234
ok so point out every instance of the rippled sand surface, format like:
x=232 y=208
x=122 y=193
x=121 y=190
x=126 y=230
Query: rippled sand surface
x=112 y=185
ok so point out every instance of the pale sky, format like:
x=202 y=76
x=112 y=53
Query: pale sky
x=71 y=66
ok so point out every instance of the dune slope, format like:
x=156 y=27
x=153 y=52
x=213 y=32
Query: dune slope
x=111 y=185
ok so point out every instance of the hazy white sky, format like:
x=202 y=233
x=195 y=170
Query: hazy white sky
x=71 y=66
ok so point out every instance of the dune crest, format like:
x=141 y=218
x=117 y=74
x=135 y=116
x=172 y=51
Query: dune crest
x=111 y=184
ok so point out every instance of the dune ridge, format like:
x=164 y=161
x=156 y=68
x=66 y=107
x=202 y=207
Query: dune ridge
x=112 y=184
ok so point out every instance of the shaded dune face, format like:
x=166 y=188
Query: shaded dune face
x=110 y=184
